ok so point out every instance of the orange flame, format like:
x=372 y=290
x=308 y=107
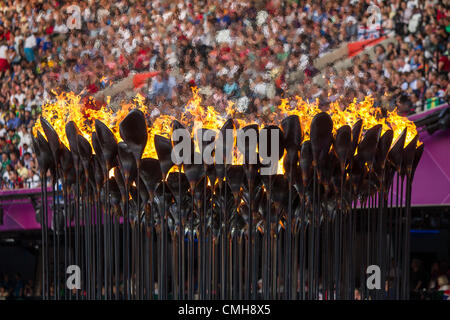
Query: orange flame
x=70 y=107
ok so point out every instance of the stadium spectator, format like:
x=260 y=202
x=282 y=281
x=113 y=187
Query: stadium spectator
x=249 y=52
x=4 y=294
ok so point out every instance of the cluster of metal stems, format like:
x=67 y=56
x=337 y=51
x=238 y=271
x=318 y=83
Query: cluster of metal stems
x=155 y=230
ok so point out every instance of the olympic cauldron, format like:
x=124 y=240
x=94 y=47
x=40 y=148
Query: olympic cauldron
x=140 y=225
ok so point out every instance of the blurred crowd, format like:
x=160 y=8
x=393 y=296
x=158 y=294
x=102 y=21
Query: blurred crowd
x=16 y=288
x=424 y=285
x=253 y=53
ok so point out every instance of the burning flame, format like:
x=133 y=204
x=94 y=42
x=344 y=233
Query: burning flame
x=71 y=107
x=371 y=116
x=304 y=110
